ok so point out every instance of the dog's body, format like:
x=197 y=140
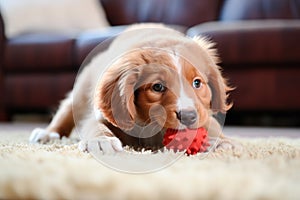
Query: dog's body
x=151 y=78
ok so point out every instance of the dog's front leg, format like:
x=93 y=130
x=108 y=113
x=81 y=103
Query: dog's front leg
x=96 y=136
x=61 y=124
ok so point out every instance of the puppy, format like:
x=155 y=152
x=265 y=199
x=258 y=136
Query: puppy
x=151 y=78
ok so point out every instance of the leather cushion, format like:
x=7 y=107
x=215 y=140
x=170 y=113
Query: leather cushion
x=260 y=9
x=248 y=42
x=180 y=12
x=38 y=52
x=2 y=39
x=89 y=43
x=39 y=90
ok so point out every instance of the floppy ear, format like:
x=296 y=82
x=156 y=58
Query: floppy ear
x=219 y=91
x=216 y=81
x=115 y=96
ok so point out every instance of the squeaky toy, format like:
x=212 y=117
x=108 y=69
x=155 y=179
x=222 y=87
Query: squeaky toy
x=191 y=140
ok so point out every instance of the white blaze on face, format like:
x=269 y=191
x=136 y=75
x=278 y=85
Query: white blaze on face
x=184 y=101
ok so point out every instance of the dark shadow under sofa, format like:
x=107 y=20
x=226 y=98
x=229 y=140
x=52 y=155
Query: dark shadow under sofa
x=258 y=42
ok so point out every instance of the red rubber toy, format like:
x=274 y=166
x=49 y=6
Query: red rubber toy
x=191 y=140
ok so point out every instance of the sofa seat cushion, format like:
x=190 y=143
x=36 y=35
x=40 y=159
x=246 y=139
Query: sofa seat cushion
x=38 y=53
x=37 y=91
x=89 y=43
x=253 y=42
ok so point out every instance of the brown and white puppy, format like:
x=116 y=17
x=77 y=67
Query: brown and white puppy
x=150 y=78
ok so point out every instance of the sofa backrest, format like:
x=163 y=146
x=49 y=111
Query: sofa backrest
x=260 y=9
x=179 y=12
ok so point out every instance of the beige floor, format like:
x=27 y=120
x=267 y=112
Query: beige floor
x=267 y=168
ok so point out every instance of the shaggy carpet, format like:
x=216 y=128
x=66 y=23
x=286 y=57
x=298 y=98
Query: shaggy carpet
x=267 y=168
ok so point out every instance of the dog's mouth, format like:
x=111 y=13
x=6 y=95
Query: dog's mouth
x=182 y=127
x=179 y=126
x=176 y=124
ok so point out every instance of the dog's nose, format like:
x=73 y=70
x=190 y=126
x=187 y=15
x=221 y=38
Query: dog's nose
x=187 y=117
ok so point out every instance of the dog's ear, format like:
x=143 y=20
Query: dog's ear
x=114 y=96
x=216 y=81
x=219 y=89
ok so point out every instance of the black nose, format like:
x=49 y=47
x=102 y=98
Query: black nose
x=187 y=117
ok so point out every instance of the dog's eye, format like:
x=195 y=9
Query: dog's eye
x=158 y=87
x=197 y=83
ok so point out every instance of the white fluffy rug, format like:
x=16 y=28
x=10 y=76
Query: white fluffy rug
x=268 y=168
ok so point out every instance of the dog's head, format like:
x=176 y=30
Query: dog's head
x=177 y=86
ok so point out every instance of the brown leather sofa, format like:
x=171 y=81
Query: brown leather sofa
x=258 y=42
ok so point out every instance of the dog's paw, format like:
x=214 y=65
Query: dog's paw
x=225 y=144
x=229 y=144
x=106 y=144
x=43 y=136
